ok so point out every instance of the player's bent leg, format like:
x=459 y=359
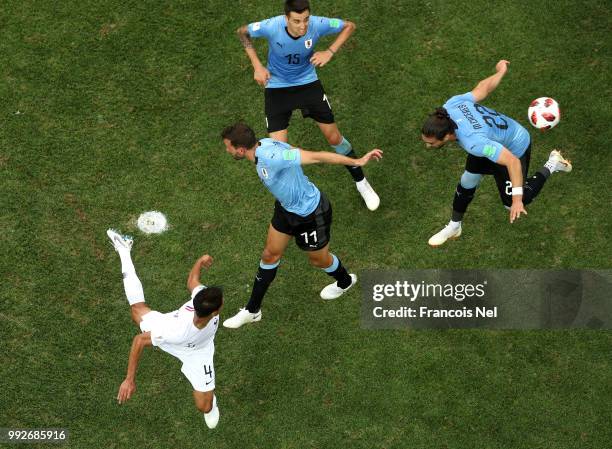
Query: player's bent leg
x=334 y=137
x=342 y=146
x=464 y=194
x=321 y=258
x=199 y=370
x=206 y=402
x=276 y=244
x=131 y=284
x=138 y=311
x=556 y=163
x=470 y=180
x=334 y=268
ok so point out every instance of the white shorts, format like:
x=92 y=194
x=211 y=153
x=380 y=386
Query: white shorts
x=198 y=367
x=148 y=319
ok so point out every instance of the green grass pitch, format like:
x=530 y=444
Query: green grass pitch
x=110 y=108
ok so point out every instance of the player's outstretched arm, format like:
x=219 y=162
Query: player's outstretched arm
x=193 y=279
x=261 y=73
x=327 y=157
x=320 y=58
x=488 y=85
x=513 y=164
x=128 y=386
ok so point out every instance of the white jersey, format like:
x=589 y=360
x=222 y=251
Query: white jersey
x=175 y=332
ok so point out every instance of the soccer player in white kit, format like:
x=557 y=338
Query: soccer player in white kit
x=187 y=333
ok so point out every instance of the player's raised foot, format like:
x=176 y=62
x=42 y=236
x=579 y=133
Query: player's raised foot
x=332 y=291
x=368 y=194
x=241 y=318
x=556 y=162
x=212 y=418
x=449 y=232
x=120 y=242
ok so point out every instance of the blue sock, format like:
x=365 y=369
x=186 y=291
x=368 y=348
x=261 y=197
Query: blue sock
x=338 y=272
x=346 y=149
x=343 y=147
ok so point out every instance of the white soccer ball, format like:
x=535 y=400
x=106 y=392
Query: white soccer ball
x=544 y=113
x=152 y=222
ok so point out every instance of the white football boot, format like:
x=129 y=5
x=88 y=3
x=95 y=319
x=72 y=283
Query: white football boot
x=449 y=232
x=212 y=418
x=242 y=317
x=368 y=194
x=120 y=242
x=556 y=162
x=332 y=291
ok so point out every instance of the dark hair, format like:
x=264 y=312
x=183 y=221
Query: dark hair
x=207 y=301
x=240 y=135
x=298 y=6
x=438 y=124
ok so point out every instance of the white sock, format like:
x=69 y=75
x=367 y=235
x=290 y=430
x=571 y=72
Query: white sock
x=454 y=224
x=126 y=261
x=133 y=288
x=131 y=283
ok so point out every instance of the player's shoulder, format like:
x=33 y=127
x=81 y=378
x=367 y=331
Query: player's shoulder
x=269 y=144
x=326 y=22
x=456 y=100
x=266 y=23
x=276 y=21
x=275 y=152
x=188 y=306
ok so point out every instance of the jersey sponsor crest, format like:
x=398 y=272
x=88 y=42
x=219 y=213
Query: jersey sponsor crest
x=308 y=43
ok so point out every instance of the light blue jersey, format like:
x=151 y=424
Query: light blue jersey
x=289 y=57
x=279 y=168
x=483 y=132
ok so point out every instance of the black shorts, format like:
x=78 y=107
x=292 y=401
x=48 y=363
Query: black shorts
x=484 y=166
x=282 y=101
x=311 y=232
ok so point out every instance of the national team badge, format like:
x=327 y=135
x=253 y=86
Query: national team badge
x=308 y=43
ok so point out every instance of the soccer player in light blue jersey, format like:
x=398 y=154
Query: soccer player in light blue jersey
x=496 y=145
x=301 y=210
x=291 y=80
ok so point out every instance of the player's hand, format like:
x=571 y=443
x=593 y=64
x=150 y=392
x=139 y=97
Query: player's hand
x=320 y=58
x=206 y=261
x=262 y=76
x=516 y=210
x=374 y=154
x=502 y=66
x=126 y=390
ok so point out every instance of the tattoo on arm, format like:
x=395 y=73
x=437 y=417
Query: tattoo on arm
x=244 y=37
